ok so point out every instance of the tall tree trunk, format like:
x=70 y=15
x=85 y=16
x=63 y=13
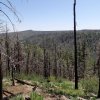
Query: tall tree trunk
x=27 y=63
x=55 y=62
x=98 y=64
x=7 y=52
x=45 y=65
x=99 y=85
x=13 y=75
x=1 y=77
x=84 y=58
x=94 y=68
x=18 y=54
x=75 y=46
x=48 y=64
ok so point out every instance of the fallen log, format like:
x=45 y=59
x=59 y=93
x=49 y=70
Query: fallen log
x=5 y=91
x=23 y=82
x=10 y=95
x=5 y=94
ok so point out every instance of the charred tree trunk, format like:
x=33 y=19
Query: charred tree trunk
x=18 y=55
x=27 y=63
x=1 y=77
x=94 y=69
x=48 y=64
x=55 y=62
x=45 y=65
x=98 y=64
x=8 y=53
x=18 y=60
x=75 y=46
x=84 y=58
x=99 y=85
x=13 y=75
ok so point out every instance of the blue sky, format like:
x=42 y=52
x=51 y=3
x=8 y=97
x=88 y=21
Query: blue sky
x=56 y=14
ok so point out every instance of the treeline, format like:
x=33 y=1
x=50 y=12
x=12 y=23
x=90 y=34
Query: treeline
x=51 y=54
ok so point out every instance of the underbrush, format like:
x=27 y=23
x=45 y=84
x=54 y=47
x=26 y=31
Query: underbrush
x=17 y=98
x=88 y=86
x=64 y=88
x=33 y=96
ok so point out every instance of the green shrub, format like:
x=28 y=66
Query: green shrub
x=67 y=85
x=35 y=96
x=65 y=88
x=90 y=85
x=67 y=92
x=17 y=98
x=52 y=79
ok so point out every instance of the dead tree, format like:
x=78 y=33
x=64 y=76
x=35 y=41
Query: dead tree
x=75 y=46
x=84 y=57
x=81 y=59
x=18 y=55
x=55 y=62
x=7 y=52
x=98 y=64
x=13 y=75
x=1 y=77
x=49 y=65
x=23 y=82
x=98 y=67
x=27 y=62
x=45 y=65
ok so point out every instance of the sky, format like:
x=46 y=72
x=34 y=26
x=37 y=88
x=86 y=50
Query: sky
x=48 y=15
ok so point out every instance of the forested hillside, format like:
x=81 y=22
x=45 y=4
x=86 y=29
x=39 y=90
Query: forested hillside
x=49 y=65
x=50 y=55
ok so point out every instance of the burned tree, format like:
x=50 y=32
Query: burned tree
x=55 y=61
x=45 y=64
x=27 y=61
x=13 y=74
x=98 y=65
x=81 y=59
x=7 y=52
x=18 y=55
x=1 y=78
x=75 y=46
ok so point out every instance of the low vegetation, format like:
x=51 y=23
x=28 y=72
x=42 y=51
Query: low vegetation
x=87 y=87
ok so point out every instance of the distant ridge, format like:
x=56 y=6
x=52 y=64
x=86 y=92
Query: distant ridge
x=30 y=33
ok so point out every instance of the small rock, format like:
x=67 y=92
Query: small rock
x=94 y=95
x=64 y=98
x=27 y=98
x=79 y=98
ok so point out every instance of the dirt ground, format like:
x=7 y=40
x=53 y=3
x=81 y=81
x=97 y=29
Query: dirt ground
x=25 y=90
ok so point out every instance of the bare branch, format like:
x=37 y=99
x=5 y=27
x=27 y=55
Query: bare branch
x=11 y=9
x=8 y=19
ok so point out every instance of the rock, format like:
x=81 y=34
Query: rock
x=64 y=98
x=92 y=94
x=27 y=98
x=79 y=98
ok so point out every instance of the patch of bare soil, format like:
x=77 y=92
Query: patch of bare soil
x=19 y=89
x=25 y=90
